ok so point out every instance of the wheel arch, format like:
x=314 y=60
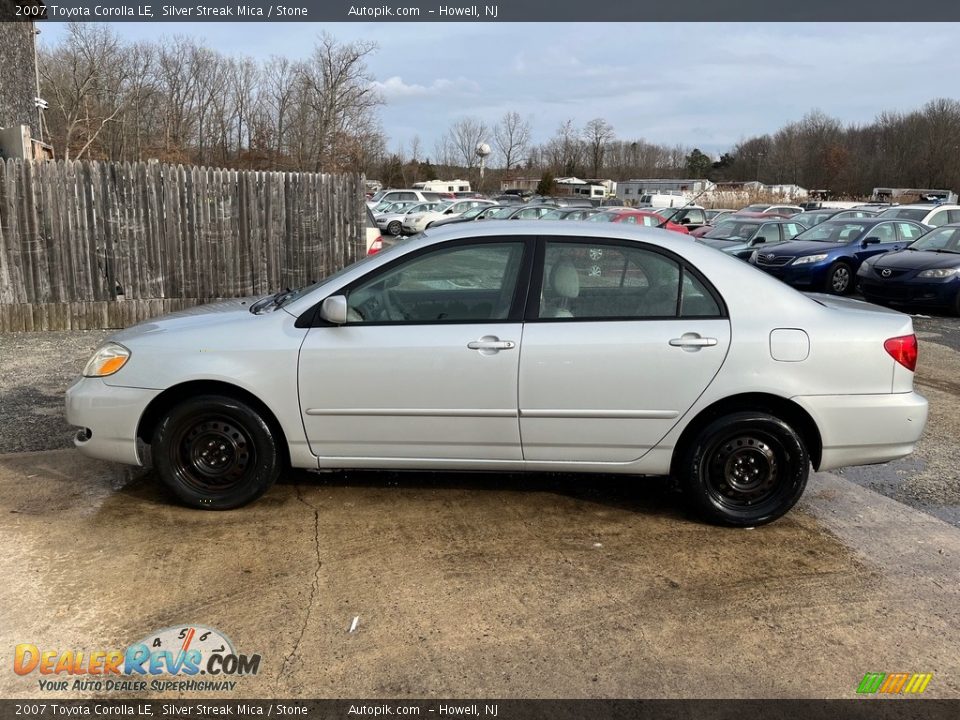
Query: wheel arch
x=176 y=394
x=780 y=407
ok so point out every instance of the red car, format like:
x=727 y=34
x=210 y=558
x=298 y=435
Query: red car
x=638 y=217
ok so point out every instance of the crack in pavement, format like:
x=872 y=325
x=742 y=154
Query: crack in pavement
x=314 y=586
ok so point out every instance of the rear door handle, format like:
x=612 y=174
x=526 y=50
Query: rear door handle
x=491 y=343
x=692 y=342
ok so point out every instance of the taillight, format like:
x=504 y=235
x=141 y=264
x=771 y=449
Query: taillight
x=376 y=246
x=903 y=349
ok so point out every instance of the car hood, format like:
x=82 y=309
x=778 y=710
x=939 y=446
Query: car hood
x=729 y=245
x=191 y=318
x=917 y=260
x=804 y=247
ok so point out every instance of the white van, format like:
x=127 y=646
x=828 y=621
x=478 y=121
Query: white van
x=443 y=186
x=664 y=199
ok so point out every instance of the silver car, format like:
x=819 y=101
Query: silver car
x=514 y=345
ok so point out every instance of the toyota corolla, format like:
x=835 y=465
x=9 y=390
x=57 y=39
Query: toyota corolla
x=574 y=347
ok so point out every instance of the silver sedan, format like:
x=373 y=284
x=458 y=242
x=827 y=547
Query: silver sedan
x=514 y=346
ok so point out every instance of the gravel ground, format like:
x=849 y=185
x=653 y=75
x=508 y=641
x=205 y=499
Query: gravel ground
x=38 y=368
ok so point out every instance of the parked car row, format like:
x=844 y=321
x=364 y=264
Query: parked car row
x=889 y=254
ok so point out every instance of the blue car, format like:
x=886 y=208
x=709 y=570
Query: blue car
x=827 y=257
x=926 y=273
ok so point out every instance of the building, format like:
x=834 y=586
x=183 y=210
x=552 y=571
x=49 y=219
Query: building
x=628 y=191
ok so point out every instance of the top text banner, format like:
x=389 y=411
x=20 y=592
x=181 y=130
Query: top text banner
x=539 y=11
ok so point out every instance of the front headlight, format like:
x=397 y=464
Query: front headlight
x=807 y=259
x=107 y=360
x=939 y=273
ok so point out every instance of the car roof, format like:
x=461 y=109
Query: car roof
x=924 y=206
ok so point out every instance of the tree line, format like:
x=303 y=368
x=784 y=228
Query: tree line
x=178 y=101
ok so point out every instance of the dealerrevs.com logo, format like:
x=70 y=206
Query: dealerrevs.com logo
x=187 y=658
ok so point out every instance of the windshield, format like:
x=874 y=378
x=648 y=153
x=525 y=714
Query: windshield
x=378 y=196
x=907 y=213
x=554 y=215
x=473 y=212
x=602 y=217
x=501 y=213
x=943 y=240
x=815 y=218
x=733 y=231
x=833 y=232
x=755 y=208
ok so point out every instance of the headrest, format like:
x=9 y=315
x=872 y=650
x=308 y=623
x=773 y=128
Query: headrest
x=564 y=280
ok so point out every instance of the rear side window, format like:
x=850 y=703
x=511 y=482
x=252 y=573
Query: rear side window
x=600 y=281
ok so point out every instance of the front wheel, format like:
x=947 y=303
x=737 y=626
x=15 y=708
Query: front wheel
x=394 y=228
x=745 y=469
x=216 y=453
x=839 y=278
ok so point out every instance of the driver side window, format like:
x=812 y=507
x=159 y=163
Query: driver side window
x=463 y=283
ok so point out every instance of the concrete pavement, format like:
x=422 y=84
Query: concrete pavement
x=471 y=585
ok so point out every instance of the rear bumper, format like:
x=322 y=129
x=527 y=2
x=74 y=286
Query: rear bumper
x=110 y=415
x=866 y=429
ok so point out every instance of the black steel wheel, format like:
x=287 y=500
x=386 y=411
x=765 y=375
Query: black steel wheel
x=745 y=469
x=840 y=278
x=216 y=452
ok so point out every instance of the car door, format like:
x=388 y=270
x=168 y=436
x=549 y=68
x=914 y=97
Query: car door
x=426 y=364
x=908 y=232
x=620 y=340
x=886 y=233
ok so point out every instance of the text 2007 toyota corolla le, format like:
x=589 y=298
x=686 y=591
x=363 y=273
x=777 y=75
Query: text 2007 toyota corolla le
x=513 y=346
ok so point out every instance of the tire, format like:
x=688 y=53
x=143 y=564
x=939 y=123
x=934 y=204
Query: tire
x=956 y=305
x=394 y=228
x=248 y=459
x=840 y=279
x=744 y=469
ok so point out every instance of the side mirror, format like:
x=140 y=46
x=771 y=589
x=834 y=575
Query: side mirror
x=870 y=241
x=685 y=221
x=334 y=310
x=758 y=240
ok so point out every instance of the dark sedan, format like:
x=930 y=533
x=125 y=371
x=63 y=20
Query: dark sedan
x=741 y=237
x=926 y=273
x=827 y=257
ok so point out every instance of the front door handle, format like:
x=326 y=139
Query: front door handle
x=691 y=342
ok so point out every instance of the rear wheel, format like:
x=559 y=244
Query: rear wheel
x=745 y=469
x=216 y=453
x=840 y=278
x=394 y=227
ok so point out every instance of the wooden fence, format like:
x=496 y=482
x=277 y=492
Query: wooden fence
x=87 y=245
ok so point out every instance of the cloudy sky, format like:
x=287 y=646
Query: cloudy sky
x=705 y=85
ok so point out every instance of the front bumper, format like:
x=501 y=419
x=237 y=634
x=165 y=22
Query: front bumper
x=111 y=415
x=806 y=276
x=910 y=291
x=866 y=429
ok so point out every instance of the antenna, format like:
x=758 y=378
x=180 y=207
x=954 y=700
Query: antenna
x=682 y=207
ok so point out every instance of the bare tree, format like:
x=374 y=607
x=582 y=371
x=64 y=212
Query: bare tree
x=463 y=137
x=512 y=138
x=597 y=133
x=87 y=80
